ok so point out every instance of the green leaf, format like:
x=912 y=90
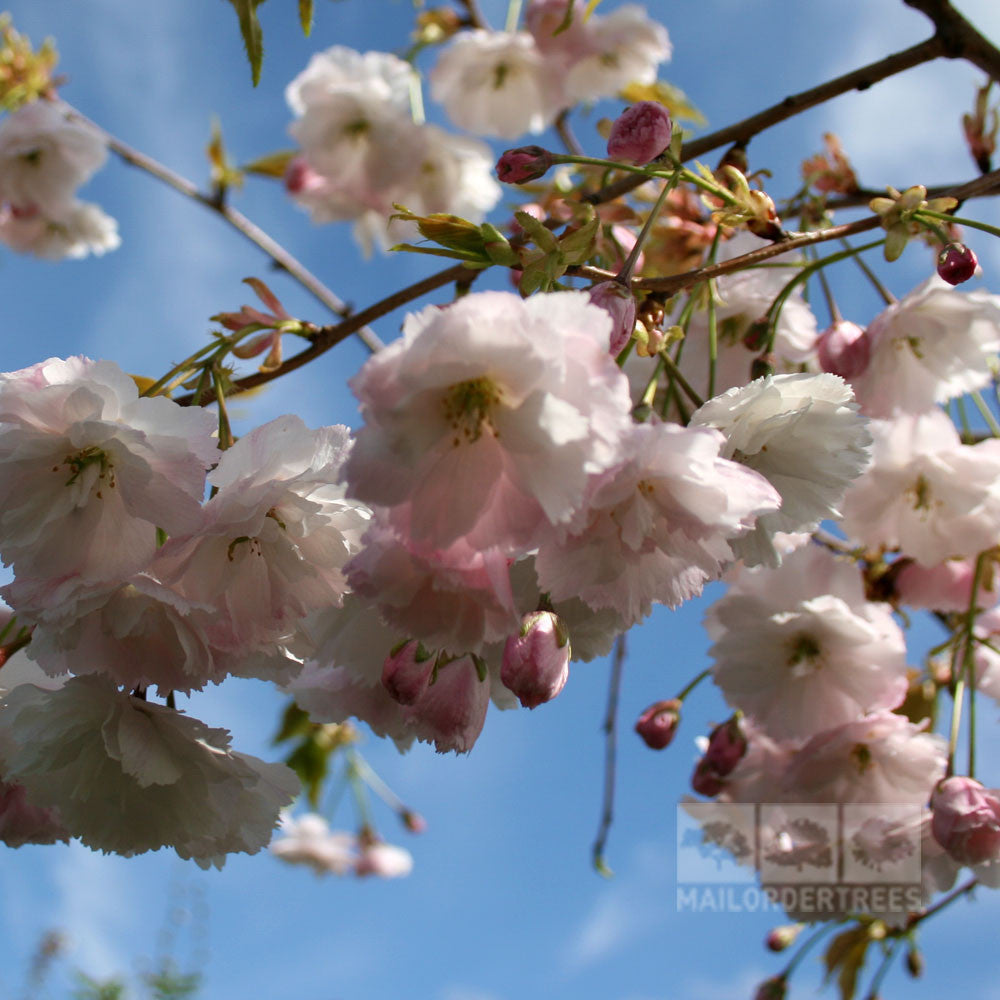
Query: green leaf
x=577 y=246
x=294 y=722
x=441 y=252
x=270 y=164
x=253 y=36
x=306 y=16
x=543 y=237
x=846 y=952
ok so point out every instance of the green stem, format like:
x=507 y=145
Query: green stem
x=991 y=421
x=887 y=297
x=693 y=683
x=225 y=430
x=805 y=948
x=628 y=268
x=675 y=374
x=969 y=657
x=923 y=214
x=713 y=324
x=883 y=969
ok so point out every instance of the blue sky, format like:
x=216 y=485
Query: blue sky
x=502 y=903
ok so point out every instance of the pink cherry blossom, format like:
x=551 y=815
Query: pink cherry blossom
x=536 y=659
x=966 y=820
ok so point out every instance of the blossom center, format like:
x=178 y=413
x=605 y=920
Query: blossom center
x=500 y=73
x=804 y=655
x=468 y=406
x=920 y=494
x=861 y=757
x=89 y=458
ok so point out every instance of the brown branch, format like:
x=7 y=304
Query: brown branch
x=743 y=131
x=864 y=195
x=238 y=221
x=960 y=38
x=329 y=336
x=610 y=752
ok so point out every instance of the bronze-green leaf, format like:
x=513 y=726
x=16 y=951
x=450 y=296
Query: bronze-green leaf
x=306 y=16
x=253 y=37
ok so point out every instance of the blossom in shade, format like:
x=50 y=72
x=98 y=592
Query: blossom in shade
x=966 y=820
x=486 y=420
x=23 y=823
x=45 y=156
x=451 y=712
x=925 y=492
x=619 y=303
x=128 y=776
x=495 y=83
x=802 y=433
x=536 y=659
x=944 y=587
x=90 y=470
x=640 y=133
x=800 y=649
x=407 y=672
x=882 y=757
x=275 y=538
x=931 y=346
x=657 y=527
x=308 y=840
x=73 y=231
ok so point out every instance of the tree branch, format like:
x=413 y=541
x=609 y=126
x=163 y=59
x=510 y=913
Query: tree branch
x=238 y=221
x=330 y=336
x=610 y=753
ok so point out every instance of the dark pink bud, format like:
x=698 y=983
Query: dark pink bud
x=844 y=349
x=526 y=163
x=956 y=263
x=706 y=780
x=755 y=339
x=727 y=744
x=619 y=303
x=299 y=176
x=640 y=133
x=658 y=723
x=966 y=820
x=774 y=988
x=407 y=672
x=536 y=660
x=413 y=821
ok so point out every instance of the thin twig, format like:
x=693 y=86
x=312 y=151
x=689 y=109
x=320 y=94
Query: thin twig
x=565 y=133
x=330 y=336
x=610 y=752
x=238 y=221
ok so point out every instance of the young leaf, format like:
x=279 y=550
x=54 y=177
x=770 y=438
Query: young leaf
x=253 y=37
x=306 y=16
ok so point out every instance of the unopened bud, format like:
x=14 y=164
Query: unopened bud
x=914 y=961
x=619 y=303
x=780 y=938
x=965 y=820
x=956 y=263
x=658 y=723
x=406 y=672
x=536 y=660
x=413 y=821
x=727 y=744
x=706 y=780
x=844 y=349
x=757 y=333
x=774 y=988
x=640 y=133
x=762 y=366
x=526 y=163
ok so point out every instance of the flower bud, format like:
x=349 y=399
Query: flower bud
x=384 y=860
x=300 y=176
x=965 y=820
x=843 y=349
x=780 y=938
x=914 y=961
x=413 y=821
x=774 y=988
x=616 y=300
x=658 y=723
x=762 y=366
x=640 y=133
x=755 y=339
x=705 y=780
x=956 y=263
x=536 y=660
x=407 y=672
x=727 y=744
x=526 y=163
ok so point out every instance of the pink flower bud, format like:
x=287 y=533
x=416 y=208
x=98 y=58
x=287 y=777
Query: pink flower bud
x=966 y=820
x=774 y=988
x=658 y=723
x=300 y=177
x=956 y=263
x=526 y=163
x=705 y=780
x=755 y=339
x=407 y=672
x=616 y=300
x=451 y=711
x=727 y=744
x=640 y=133
x=536 y=660
x=843 y=349
x=413 y=821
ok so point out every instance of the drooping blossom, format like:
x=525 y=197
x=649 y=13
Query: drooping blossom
x=308 y=840
x=966 y=820
x=91 y=470
x=451 y=712
x=925 y=492
x=929 y=347
x=128 y=776
x=946 y=586
x=23 y=823
x=486 y=419
x=800 y=649
x=843 y=349
x=658 y=723
x=657 y=527
x=802 y=433
x=407 y=672
x=75 y=231
x=383 y=860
